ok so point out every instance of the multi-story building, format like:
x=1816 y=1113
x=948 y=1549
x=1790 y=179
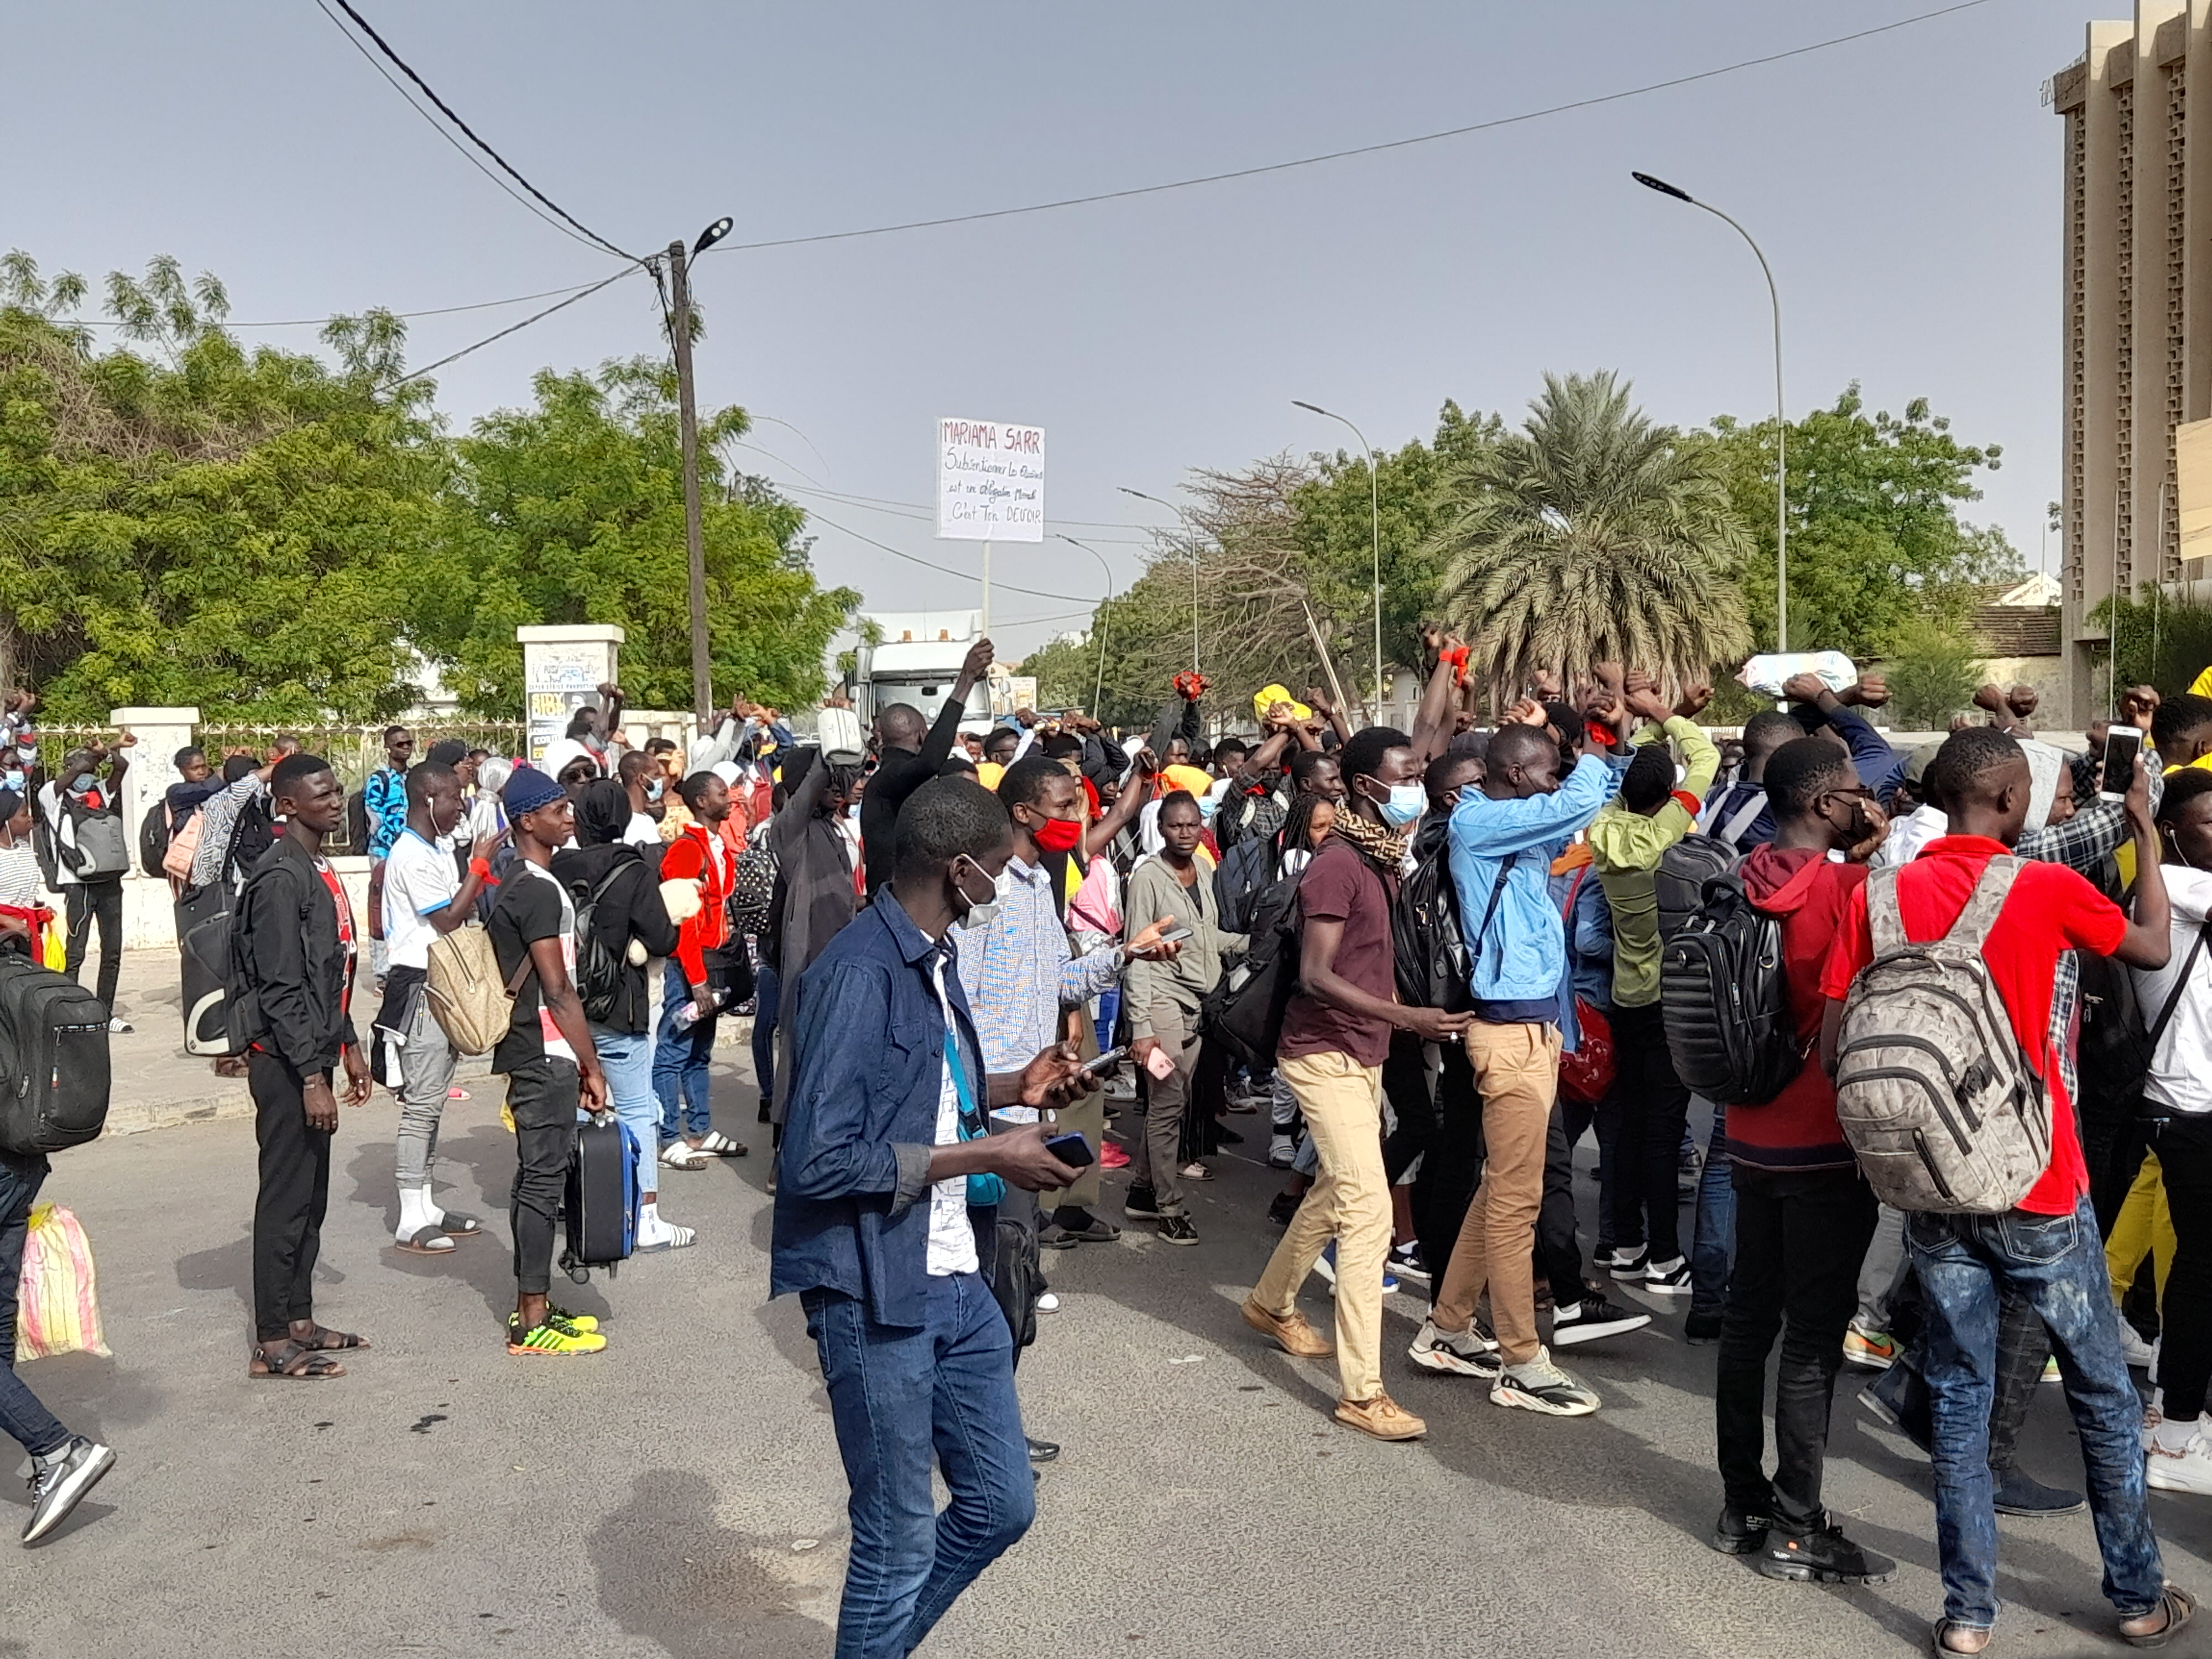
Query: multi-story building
x=2138 y=321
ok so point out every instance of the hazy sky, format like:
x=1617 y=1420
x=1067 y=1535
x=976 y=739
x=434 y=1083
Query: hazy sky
x=1905 y=188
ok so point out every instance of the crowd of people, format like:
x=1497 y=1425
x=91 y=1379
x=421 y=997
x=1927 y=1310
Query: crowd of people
x=985 y=968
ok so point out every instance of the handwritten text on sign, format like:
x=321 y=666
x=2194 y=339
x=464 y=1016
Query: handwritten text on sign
x=990 y=480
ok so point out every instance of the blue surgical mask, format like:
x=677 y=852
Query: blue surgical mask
x=652 y=789
x=1405 y=805
x=1206 y=807
x=13 y=780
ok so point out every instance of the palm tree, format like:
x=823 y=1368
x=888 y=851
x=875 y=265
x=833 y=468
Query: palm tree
x=1592 y=536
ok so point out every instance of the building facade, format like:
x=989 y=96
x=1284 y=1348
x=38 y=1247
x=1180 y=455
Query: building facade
x=2137 y=318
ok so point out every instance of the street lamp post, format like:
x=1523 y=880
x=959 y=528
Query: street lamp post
x=1781 y=420
x=1178 y=511
x=1105 y=612
x=1375 y=524
x=687 y=409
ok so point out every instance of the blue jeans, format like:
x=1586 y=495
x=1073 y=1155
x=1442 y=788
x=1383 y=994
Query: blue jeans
x=22 y=1417
x=1713 y=1247
x=897 y=1397
x=627 y=1059
x=679 y=1062
x=2059 y=1264
x=766 y=997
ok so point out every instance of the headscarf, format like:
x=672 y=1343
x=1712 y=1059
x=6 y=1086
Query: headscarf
x=493 y=773
x=602 y=813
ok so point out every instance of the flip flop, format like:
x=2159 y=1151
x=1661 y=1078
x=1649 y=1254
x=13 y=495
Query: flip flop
x=459 y=1225
x=456 y=1093
x=717 y=1144
x=426 y=1241
x=293 y=1363
x=679 y=1238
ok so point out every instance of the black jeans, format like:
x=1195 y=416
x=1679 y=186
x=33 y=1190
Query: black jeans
x=542 y=1094
x=1558 y=1253
x=1800 y=1240
x=1445 y=1186
x=295 y=1190
x=85 y=903
x=22 y=1414
x=1406 y=1085
x=2183 y=1145
x=1655 y=1106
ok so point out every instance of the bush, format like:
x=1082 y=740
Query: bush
x=1933 y=674
x=2160 y=640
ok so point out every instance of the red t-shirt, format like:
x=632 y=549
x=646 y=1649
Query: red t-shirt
x=2049 y=909
x=343 y=906
x=1342 y=884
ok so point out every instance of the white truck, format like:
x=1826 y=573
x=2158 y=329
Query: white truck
x=915 y=659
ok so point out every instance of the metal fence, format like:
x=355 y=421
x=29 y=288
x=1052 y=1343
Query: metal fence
x=353 y=751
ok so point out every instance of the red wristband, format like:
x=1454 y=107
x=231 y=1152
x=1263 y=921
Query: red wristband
x=1688 y=802
x=480 y=869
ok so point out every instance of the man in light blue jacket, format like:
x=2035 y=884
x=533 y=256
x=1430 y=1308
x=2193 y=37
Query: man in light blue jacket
x=1503 y=838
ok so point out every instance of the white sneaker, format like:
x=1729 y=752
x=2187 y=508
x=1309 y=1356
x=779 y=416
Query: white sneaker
x=118 y=1024
x=1469 y=1352
x=2154 y=1414
x=2140 y=1355
x=2187 y=1470
x=1048 y=1302
x=1540 y=1386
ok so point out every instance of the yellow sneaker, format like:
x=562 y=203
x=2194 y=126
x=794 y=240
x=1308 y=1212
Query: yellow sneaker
x=555 y=1336
x=585 y=1322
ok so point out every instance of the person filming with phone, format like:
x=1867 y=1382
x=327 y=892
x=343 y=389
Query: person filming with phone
x=1167 y=889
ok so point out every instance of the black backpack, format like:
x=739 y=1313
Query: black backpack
x=54 y=1061
x=1725 y=999
x=601 y=964
x=1678 y=885
x=1244 y=1011
x=752 y=888
x=154 y=840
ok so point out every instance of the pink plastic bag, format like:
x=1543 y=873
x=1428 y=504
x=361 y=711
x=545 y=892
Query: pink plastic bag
x=59 y=1306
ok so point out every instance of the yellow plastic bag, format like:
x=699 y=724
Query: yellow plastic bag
x=1268 y=695
x=59 y=1310
x=53 y=948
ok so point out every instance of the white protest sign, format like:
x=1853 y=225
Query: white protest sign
x=990 y=480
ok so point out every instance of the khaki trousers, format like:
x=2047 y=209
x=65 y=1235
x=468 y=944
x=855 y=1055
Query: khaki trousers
x=1350 y=1202
x=1517 y=1069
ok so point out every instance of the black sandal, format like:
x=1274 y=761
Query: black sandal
x=2180 y=1607
x=322 y=1340
x=294 y=1362
x=459 y=1225
x=426 y=1241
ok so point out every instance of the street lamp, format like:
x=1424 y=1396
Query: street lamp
x=1105 y=611
x=1781 y=420
x=1178 y=511
x=1375 y=522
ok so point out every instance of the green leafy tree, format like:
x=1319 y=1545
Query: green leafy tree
x=2160 y=640
x=572 y=511
x=1875 y=539
x=1933 y=674
x=197 y=524
x=1591 y=535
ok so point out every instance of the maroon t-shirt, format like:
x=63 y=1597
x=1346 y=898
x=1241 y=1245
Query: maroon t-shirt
x=1341 y=885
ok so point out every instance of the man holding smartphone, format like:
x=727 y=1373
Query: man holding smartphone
x=884 y=1149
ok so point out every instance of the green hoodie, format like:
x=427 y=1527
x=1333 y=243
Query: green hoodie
x=1626 y=848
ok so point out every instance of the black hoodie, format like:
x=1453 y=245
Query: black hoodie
x=631 y=909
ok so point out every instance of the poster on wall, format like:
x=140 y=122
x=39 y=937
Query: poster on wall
x=990 y=480
x=559 y=680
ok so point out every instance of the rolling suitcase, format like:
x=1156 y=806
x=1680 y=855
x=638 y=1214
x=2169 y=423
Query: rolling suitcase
x=54 y=1061
x=602 y=1199
x=203 y=969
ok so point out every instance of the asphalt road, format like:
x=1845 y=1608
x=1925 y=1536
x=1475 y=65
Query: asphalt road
x=680 y=1494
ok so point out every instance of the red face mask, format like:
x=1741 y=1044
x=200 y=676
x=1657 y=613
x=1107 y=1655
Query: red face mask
x=1058 y=835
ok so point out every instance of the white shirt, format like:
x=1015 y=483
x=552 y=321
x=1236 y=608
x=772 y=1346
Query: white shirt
x=2180 y=1075
x=420 y=879
x=19 y=875
x=951 y=1240
x=57 y=825
x=641 y=831
x=1908 y=833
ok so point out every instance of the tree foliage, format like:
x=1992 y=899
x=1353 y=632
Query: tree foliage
x=1591 y=535
x=281 y=535
x=572 y=511
x=2159 y=639
x=1933 y=674
x=1875 y=539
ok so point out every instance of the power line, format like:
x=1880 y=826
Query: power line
x=942 y=569
x=1360 y=150
x=512 y=328
x=319 y=322
x=447 y=110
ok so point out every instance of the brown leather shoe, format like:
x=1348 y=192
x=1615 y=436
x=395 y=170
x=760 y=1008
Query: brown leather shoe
x=1382 y=1416
x=1291 y=1333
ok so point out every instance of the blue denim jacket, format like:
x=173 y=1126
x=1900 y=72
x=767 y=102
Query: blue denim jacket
x=868 y=1038
x=1523 y=957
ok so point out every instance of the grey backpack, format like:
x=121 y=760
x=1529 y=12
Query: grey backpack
x=1932 y=1090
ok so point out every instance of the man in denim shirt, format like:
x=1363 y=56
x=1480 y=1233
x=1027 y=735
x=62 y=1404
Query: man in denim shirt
x=884 y=1131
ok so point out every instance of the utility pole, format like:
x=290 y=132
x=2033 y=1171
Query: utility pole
x=695 y=547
